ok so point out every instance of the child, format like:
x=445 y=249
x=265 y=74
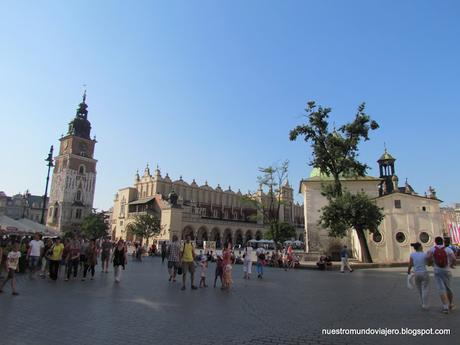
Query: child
x=203 y=268
x=219 y=269
x=12 y=266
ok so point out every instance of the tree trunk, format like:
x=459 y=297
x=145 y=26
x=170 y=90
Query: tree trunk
x=365 y=253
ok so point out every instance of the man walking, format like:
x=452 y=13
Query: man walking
x=443 y=259
x=106 y=251
x=173 y=258
x=344 y=260
x=260 y=254
x=35 y=252
x=73 y=258
x=188 y=262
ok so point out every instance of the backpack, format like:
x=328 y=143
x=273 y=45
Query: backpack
x=440 y=257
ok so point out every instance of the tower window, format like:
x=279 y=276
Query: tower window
x=81 y=170
x=78 y=196
x=397 y=203
x=78 y=213
x=424 y=208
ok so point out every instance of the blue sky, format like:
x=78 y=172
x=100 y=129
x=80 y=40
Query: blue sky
x=210 y=89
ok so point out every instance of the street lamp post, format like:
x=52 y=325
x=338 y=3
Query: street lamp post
x=50 y=164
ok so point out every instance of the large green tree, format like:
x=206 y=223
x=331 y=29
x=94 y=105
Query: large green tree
x=95 y=225
x=335 y=154
x=145 y=226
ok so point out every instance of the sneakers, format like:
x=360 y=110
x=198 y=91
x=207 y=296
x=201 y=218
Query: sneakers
x=452 y=307
x=445 y=310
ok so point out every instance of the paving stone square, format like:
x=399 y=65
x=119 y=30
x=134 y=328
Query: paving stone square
x=286 y=307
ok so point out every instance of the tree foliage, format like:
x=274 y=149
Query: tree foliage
x=280 y=232
x=145 y=226
x=95 y=225
x=335 y=154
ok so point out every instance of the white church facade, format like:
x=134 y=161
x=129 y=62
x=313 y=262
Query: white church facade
x=409 y=217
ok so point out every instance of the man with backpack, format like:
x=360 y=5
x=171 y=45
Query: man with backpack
x=443 y=259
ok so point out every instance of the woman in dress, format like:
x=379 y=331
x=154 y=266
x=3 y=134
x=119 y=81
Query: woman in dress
x=227 y=266
x=119 y=259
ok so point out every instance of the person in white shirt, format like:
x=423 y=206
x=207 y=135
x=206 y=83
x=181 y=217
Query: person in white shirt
x=12 y=266
x=443 y=260
x=247 y=262
x=418 y=263
x=35 y=252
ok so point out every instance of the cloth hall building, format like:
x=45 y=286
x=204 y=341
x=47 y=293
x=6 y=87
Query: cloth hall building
x=203 y=212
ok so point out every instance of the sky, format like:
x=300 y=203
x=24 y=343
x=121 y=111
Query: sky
x=210 y=89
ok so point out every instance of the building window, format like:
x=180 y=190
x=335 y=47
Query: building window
x=424 y=237
x=397 y=203
x=81 y=170
x=400 y=237
x=78 y=213
x=78 y=195
x=121 y=223
x=424 y=208
x=377 y=237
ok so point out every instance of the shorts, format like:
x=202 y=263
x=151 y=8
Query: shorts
x=11 y=273
x=173 y=264
x=34 y=261
x=105 y=256
x=188 y=266
x=442 y=279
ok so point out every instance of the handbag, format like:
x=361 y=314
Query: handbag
x=179 y=270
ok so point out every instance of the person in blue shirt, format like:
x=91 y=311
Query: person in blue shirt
x=344 y=259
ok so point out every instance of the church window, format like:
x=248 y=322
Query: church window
x=397 y=203
x=377 y=237
x=78 y=196
x=81 y=169
x=78 y=213
x=424 y=208
x=400 y=237
x=424 y=237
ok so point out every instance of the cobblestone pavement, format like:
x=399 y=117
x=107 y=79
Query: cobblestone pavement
x=284 y=308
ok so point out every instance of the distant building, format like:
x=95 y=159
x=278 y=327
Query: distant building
x=22 y=206
x=74 y=175
x=203 y=212
x=409 y=217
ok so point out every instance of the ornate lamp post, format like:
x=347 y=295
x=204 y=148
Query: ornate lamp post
x=50 y=164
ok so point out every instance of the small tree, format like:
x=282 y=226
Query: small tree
x=281 y=232
x=335 y=154
x=95 y=225
x=268 y=204
x=145 y=226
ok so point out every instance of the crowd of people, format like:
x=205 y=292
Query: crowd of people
x=75 y=257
